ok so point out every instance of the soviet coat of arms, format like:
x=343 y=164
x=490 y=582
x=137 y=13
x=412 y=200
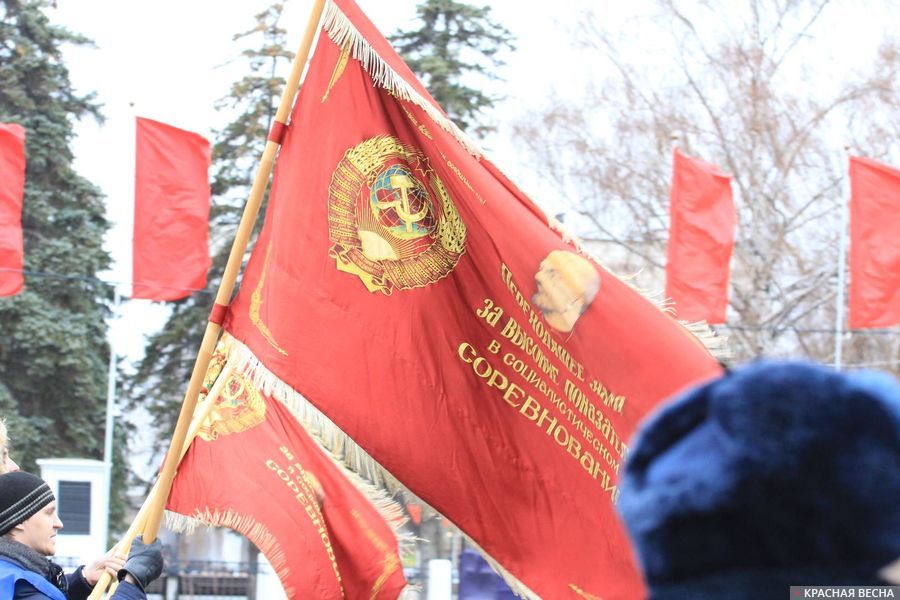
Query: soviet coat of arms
x=390 y=219
x=237 y=408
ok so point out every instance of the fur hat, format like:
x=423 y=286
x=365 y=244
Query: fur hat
x=777 y=474
x=21 y=496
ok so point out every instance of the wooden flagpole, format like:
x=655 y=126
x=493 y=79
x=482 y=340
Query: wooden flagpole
x=223 y=297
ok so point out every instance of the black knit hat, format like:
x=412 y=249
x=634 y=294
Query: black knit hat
x=21 y=496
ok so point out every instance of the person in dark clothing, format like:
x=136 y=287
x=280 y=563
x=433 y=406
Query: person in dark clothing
x=775 y=474
x=88 y=574
x=28 y=528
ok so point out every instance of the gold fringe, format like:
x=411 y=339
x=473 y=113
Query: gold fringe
x=342 y=32
x=246 y=525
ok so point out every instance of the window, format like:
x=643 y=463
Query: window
x=75 y=507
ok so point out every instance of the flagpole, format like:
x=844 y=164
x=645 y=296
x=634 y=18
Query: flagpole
x=223 y=297
x=842 y=265
x=110 y=405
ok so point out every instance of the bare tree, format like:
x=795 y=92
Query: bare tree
x=750 y=90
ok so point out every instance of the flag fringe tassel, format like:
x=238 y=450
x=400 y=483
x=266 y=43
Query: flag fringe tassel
x=245 y=525
x=342 y=31
x=364 y=470
x=260 y=536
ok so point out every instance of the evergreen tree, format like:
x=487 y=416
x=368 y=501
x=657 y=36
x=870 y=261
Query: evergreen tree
x=53 y=352
x=165 y=370
x=455 y=43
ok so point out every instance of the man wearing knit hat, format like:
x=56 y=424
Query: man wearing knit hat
x=28 y=528
x=87 y=576
x=776 y=474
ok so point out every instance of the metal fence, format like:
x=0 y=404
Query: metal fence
x=206 y=580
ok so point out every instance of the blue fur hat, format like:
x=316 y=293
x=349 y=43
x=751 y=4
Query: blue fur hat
x=776 y=474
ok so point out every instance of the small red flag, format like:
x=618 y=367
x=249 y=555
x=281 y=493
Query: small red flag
x=171 y=212
x=254 y=469
x=415 y=512
x=701 y=238
x=12 y=189
x=874 y=244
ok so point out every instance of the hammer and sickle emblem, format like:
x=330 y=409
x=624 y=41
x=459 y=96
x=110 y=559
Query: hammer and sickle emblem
x=403 y=183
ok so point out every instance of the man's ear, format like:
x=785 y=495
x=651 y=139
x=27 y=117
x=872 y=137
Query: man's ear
x=16 y=531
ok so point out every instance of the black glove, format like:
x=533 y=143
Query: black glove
x=144 y=562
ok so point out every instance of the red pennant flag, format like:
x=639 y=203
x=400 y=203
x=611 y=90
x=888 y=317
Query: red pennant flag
x=874 y=244
x=415 y=513
x=171 y=212
x=254 y=469
x=12 y=190
x=701 y=238
x=419 y=300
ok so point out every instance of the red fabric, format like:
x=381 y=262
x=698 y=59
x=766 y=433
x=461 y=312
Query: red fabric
x=12 y=190
x=217 y=314
x=415 y=513
x=258 y=472
x=171 y=212
x=701 y=238
x=874 y=244
x=277 y=133
x=419 y=371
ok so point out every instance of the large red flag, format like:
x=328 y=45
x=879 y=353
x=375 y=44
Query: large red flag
x=701 y=238
x=12 y=189
x=418 y=299
x=171 y=212
x=254 y=469
x=874 y=244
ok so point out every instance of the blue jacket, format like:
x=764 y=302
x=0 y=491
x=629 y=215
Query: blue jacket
x=18 y=583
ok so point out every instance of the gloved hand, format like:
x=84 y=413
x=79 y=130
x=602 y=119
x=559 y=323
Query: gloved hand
x=144 y=562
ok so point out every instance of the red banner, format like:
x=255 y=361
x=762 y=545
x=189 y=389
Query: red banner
x=254 y=469
x=874 y=244
x=171 y=212
x=12 y=190
x=701 y=238
x=418 y=299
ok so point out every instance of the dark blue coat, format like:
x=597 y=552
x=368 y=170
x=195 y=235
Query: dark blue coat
x=29 y=585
